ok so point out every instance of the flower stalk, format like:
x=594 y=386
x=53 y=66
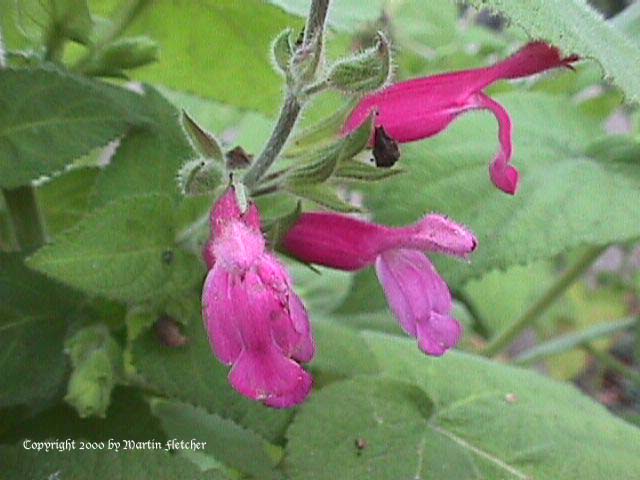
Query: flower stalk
x=533 y=313
x=292 y=105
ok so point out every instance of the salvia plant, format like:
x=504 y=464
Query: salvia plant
x=287 y=239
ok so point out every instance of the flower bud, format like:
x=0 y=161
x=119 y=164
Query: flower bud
x=123 y=54
x=96 y=359
x=199 y=177
x=282 y=51
x=364 y=72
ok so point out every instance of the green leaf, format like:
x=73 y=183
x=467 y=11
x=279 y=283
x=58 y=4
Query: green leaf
x=33 y=323
x=103 y=464
x=576 y=28
x=565 y=199
x=121 y=251
x=356 y=170
x=147 y=159
x=509 y=422
x=128 y=417
x=240 y=32
x=574 y=340
x=226 y=441
x=380 y=432
x=72 y=18
x=48 y=119
x=341 y=350
x=629 y=21
x=64 y=200
x=325 y=196
x=192 y=374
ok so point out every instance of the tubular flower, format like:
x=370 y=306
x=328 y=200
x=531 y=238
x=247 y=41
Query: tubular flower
x=254 y=319
x=424 y=107
x=416 y=293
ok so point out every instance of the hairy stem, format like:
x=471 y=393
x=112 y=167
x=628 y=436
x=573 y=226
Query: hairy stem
x=25 y=216
x=612 y=363
x=533 y=313
x=292 y=106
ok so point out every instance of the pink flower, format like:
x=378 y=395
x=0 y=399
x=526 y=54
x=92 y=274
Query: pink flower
x=417 y=295
x=254 y=319
x=424 y=107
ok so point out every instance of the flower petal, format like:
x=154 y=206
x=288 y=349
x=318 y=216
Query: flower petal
x=503 y=175
x=270 y=377
x=219 y=315
x=405 y=278
x=438 y=333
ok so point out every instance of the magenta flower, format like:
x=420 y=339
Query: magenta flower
x=417 y=295
x=254 y=319
x=423 y=107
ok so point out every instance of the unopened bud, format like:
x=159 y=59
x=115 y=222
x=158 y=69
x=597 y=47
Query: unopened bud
x=130 y=53
x=282 y=51
x=199 y=177
x=122 y=55
x=364 y=72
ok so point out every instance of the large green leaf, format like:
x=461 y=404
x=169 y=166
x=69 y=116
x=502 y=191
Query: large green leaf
x=214 y=48
x=123 y=251
x=577 y=28
x=147 y=159
x=225 y=440
x=65 y=199
x=19 y=463
x=48 y=119
x=468 y=419
x=568 y=197
x=33 y=323
x=192 y=374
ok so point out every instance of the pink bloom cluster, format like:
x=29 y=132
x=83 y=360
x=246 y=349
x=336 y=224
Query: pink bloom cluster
x=417 y=295
x=259 y=326
x=423 y=107
x=255 y=321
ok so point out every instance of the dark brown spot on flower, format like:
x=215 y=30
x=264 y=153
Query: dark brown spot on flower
x=385 y=149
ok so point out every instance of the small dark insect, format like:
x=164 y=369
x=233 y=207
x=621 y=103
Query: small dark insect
x=167 y=257
x=385 y=149
x=361 y=444
x=237 y=158
x=168 y=332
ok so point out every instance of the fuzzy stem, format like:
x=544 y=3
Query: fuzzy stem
x=26 y=218
x=612 y=363
x=529 y=317
x=292 y=106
